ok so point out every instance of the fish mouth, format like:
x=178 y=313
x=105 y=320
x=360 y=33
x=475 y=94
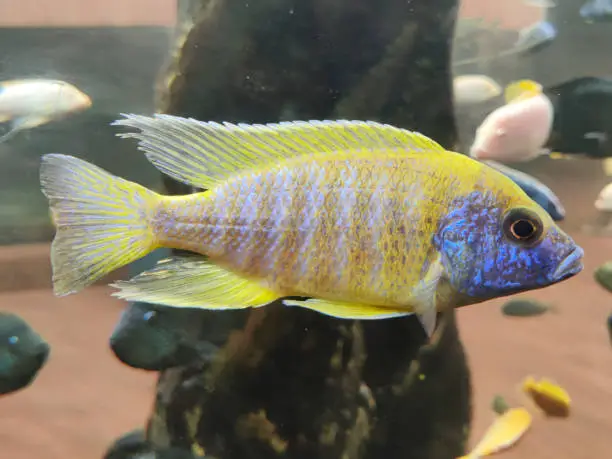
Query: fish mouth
x=570 y=265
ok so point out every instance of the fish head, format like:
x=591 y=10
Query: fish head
x=603 y=203
x=68 y=98
x=493 y=246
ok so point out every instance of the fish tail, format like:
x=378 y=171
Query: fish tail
x=102 y=222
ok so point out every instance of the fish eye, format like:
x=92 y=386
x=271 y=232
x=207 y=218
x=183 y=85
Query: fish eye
x=522 y=226
x=13 y=339
x=149 y=315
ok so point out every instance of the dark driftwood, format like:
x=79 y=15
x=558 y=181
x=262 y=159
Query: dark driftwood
x=292 y=383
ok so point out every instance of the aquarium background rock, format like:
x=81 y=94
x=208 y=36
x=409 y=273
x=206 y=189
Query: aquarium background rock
x=291 y=382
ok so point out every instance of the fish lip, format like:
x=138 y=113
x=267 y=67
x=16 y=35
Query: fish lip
x=570 y=265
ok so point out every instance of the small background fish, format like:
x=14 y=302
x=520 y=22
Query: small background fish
x=535 y=37
x=603 y=203
x=28 y=103
x=505 y=431
x=609 y=326
x=474 y=89
x=23 y=353
x=155 y=338
x=596 y=10
x=549 y=397
x=134 y=445
x=582 y=122
x=535 y=189
x=518 y=130
x=541 y=3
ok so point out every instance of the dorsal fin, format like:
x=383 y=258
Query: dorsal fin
x=203 y=154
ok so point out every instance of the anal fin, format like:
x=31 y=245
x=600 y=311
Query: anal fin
x=343 y=310
x=193 y=282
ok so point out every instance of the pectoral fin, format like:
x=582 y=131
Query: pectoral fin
x=428 y=321
x=19 y=124
x=343 y=310
x=193 y=282
x=28 y=122
x=425 y=296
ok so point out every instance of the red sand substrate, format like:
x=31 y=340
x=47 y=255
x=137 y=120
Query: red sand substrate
x=84 y=397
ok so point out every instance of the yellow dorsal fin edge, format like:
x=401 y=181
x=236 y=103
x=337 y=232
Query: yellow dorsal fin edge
x=203 y=154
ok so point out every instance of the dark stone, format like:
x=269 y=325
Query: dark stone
x=524 y=307
x=603 y=276
x=293 y=383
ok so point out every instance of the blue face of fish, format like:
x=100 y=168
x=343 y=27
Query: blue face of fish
x=489 y=251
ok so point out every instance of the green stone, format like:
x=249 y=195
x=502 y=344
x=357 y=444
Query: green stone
x=603 y=275
x=499 y=405
x=524 y=308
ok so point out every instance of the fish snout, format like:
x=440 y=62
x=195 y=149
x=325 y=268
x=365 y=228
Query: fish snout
x=570 y=265
x=83 y=101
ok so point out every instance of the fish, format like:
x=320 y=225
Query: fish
x=535 y=37
x=23 y=353
x=607 y=167
x=474 y=89
x=609 y=326
x=551 y=398
x=541 y=3
x=128 y=445
x=154 y=338
x=535 y=189
x=520 y=307
x=28 y=103
x=134 y=445
x=582 y=124
x=506 y=431
x=596 y=10
x=356 y=219
x=517 y=131
x=603 y=203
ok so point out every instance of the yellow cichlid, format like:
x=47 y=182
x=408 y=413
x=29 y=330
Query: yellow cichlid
x=551 y=398
x=507 y=429
x=366 y=220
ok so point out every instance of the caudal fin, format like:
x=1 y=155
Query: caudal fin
x=102 y=221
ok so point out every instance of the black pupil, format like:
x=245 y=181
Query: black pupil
x=523 y=229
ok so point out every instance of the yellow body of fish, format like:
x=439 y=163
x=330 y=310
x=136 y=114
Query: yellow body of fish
x=279 y=224
x=507 y=429
x=345 y=213
x=550 y=397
